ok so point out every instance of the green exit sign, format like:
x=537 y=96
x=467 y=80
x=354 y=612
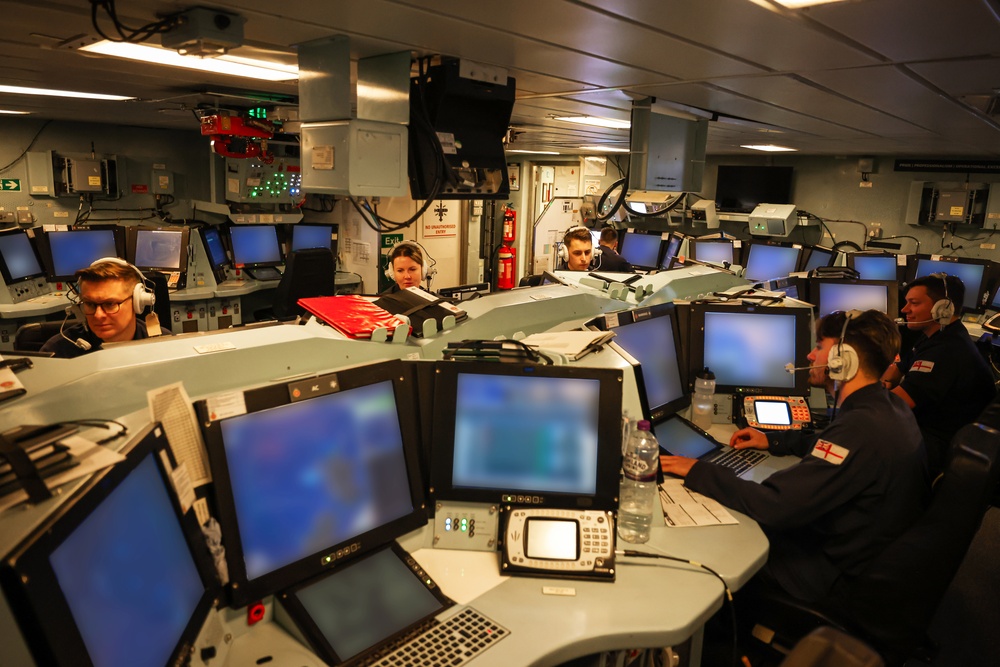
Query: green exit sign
x=258 y=112
x=389 y=240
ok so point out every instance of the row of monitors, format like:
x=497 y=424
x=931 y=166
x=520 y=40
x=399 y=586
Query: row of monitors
x=58 y=255
x=303 y=482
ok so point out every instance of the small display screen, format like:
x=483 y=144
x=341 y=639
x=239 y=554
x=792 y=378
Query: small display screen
x=255 y=245
x=552 y=539
x=750 y=349
x=128 y=575
x=651 y=343
x=526 y=433
x=771 y=261
x=971 y=276
x=678 y=438
x=216 y=251
x=835 y=297
x=19 y=256
x=364 y=603
x=312 y=236
x=158 y=248
x=775 y=413
x=75 y=250
x=673 y=247
x=817 y=258
x=875 y=267
x=716 y=252
x=641 y=249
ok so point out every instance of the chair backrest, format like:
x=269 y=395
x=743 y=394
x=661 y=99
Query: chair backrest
x=894 y=599
x=30 y=337
x=533 y=280
x=310 y=272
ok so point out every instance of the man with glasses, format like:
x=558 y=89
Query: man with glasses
x=106 y=292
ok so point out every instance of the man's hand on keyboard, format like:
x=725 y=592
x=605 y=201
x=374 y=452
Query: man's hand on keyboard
x=748 y=438
x=676 y=465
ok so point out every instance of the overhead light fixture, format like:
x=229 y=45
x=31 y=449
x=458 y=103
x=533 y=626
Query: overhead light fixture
x=11 y=112
x=228 y=64
x=518 y=150
x=799 y=4
x=605 y=149
x=52 y=92
x=769 y=148
x=596 y=121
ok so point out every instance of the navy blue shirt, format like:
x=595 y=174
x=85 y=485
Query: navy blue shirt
x=860 y=483
x=612 y=261
x=65 y=349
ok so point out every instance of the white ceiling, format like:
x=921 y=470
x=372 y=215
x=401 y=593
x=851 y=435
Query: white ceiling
x=863 y=77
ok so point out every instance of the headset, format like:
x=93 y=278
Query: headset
x=142 y=297
x=425 y=271
x=943 y=309
x=842 y=362
x=564 y=251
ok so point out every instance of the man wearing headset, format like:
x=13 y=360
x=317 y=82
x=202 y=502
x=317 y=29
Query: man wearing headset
x=107 y=293
x=577 y=251
x=406 y=266
x=861 y=481
x=943 y=377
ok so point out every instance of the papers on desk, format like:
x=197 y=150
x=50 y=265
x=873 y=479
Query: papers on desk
x=683 y=507
x=171 y=407
x=571 y=344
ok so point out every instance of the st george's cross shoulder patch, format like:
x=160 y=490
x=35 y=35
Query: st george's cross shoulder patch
x=922 y=366
x=826 y=450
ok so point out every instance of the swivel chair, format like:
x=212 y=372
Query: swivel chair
x=310 y=272
x=891 y=603
x=31 y=336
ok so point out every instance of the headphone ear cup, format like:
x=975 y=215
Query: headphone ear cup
x=942 y=311
x=563 y=253
x=597 y=253
x=842 y=362
x=141 y=298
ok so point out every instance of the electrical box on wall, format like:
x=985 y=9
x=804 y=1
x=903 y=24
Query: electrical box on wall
x=668 y=153
x=354 y=157
x=943 y=203
x=254 y=181
x=54 y=175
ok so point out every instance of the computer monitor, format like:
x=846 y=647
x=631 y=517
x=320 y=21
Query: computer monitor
x=159 y=248
x=649 y=338
x=306 y=236
x=119 y=577
x=672 y=250
x=833 y=294
x=254 y=246
x=18 y=259
x=211 y=238
x=312 y=472
x=747 y=347
x=817 y=256
x=642 y=250
x=975 y=274
x=512 y=433
x=874 y=266
x=713 y=251
x=765 y=261
x=76 y=249
x=740 y=188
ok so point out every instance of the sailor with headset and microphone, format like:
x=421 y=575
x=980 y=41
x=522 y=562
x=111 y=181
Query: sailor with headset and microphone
x=110 y=292
x=861 y=481
x=408 y=266
x=577 y=252
x=943 y=377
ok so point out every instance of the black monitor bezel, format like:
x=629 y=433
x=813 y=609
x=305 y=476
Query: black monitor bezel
x=218 y=269
x=737 y=180
x=608 y=430
x=807 y=252
x=116 y=231
x=693 y=244
x=852 y=258
x=891 y=286
x=990 y=272
x=748 y=247
x=665 y=261
x=803 y=345
x=5 y=270
x=242 y=590
x=133 y=241
x=659 y=251
x=30 y=582
x=611 y=321
x=254 y=265
x=293 y=229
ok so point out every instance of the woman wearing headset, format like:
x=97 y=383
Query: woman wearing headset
x=406 y=266
x=110 y=295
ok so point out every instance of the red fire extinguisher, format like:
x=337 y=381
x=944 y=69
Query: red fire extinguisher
x=509 y=224
x=505 y=274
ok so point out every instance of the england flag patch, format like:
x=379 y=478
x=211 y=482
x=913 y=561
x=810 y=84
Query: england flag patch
x=922 y=366
x=826 y=450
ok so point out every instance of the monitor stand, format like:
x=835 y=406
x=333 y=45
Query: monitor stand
x=264 y=273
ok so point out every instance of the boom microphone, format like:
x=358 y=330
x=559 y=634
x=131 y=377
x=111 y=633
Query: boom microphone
x=791 y=368
x=900 y=320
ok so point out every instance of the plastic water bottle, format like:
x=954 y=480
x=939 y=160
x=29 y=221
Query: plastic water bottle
x=638 y=494
x=703 y=401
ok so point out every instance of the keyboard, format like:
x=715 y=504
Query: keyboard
x=454 y=641
x=740 y=460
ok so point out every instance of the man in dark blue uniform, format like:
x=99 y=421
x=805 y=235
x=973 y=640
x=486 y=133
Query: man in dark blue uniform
x=943 y=378
x=610 y=259
x=861 y=481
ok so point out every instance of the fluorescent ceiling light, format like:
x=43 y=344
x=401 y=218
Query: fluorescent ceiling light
x=51 y=92
x=14 y=113
x=517 y=150
x=769 y=148
x=596 y=121
x=228 y=64
x=604 y=149
x=798 y=4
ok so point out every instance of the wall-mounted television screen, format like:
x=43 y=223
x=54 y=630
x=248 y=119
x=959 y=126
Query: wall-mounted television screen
x=740 y=188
